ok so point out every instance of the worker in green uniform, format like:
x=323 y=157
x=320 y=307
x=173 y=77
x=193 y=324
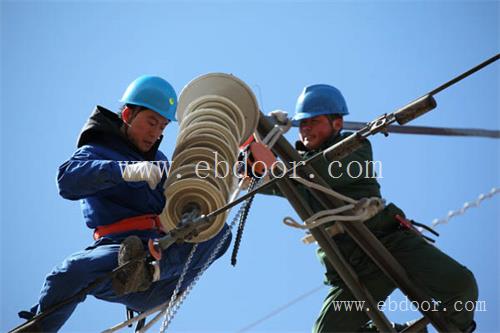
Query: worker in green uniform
x=319 y=115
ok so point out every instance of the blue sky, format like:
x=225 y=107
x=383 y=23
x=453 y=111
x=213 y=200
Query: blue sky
x=59 y=59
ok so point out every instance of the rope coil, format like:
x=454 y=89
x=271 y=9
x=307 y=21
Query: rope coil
x=363 y=209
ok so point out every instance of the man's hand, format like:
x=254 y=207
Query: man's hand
x=280 y=116
x=142 y=171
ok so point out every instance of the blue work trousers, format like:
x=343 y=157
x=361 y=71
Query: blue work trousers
x=84 y=267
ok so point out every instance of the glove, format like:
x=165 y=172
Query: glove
x=142 y=172
x=280 y=116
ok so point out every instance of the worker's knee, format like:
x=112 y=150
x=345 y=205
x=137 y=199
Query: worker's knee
x=75 y=268
x=472 y=285
x=465 y=284
x=75 y=271
x=64 y=273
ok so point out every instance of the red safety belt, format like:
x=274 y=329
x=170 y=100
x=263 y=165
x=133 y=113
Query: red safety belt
x=141 y=222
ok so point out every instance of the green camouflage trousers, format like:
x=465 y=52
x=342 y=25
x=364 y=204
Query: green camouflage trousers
x=443 y=279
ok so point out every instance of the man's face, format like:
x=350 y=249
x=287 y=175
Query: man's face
x=145 y=128
x=315 y=131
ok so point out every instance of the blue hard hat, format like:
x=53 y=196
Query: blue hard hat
x=154 y=93
x=319 y=99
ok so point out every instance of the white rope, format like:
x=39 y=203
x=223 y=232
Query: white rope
x=363 y=209
x=373 y=206
x=324 y=190
x=314 y=221
x=155 y=319
x=135 y=319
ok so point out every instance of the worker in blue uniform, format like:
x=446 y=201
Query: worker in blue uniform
x=118 y=173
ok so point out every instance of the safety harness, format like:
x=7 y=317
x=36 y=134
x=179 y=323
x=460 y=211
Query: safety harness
x=136 y=223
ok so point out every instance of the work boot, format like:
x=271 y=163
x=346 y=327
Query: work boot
x=370 y=327
x=137 y=276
